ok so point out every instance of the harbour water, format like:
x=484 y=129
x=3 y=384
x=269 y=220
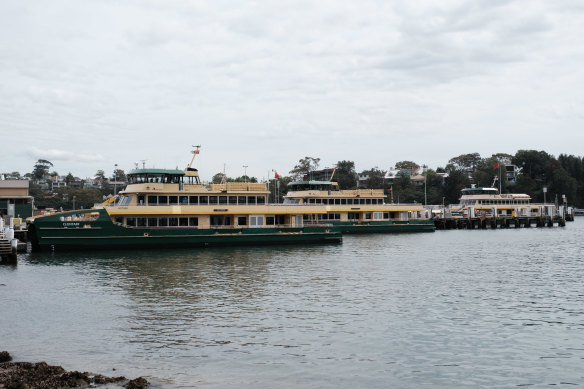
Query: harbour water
x=464 y=309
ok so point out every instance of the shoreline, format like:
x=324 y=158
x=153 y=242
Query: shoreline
x=25 y=375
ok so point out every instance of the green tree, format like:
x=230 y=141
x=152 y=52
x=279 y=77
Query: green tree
x=304 y=167
x=218 y=178
x=457 y=180
x=407 y=165
x=119 y=175
x=375 y=178
x=69 y=179
x=41 y=169
x=466 y=161
x=100 y=174
x=345 y=175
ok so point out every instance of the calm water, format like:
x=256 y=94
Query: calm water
x=465 y=309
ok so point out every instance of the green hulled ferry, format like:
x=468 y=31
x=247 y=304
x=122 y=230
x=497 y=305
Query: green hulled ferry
x=358 y=210
x=163 y=208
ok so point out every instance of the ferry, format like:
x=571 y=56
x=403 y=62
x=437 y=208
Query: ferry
x=356 y=211
x=487 y=201
x=163 y=208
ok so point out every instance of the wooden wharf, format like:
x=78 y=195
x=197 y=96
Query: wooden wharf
x=482 y=223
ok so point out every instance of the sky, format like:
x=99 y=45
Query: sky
x=263 y=84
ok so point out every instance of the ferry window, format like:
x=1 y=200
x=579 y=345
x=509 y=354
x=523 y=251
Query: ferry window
x=204 y=200
x=193 y=221
x=162 y=200
x=152 y=222
x=386 y=215
x=232 y=199
x=270 y=220
x=183 y=221
x=343 y=201
x=183 y=200
x=152 y=200
x=241 y=200
x=126 y=200
x=119 y=219
x=222 y=199
x=242 y=220
x=319 y=201
x=353 y=216
x=219 y=220
x=131 y=221
x=162 y=222
x=193 y=200
x=251 y=199
x=350 y=201
x=367 y=215
x=172 y=200
x=141 y=200
x=312 y=201
x=141 y=221
x=173 y=221
x=213 y=199
x=337 y=201
x=256 y=221
x=261 y=200
x=368 y=201
x=377 y=215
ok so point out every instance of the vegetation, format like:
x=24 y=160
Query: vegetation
x=563 y=175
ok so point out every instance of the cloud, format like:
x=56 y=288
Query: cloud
x=63 y=155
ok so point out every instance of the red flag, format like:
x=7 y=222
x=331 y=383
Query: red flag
x=276 y=175
x=496 y=166
x=390 y=189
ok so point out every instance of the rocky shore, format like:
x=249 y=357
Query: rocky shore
x=40 y=375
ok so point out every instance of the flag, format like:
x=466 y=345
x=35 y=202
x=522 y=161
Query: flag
x=496 y=166
x=276 y=175
x=390 y=189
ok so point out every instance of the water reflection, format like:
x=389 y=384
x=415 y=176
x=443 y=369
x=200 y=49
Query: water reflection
x=452 y=309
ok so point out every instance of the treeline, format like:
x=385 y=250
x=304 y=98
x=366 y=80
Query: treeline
x=528 y=171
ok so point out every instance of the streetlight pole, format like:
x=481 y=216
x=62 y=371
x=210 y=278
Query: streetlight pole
x=425 y=176
x=244 y=173
x=115 y=178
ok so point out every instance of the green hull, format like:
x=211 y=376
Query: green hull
x=52 y=233
x=385 y=226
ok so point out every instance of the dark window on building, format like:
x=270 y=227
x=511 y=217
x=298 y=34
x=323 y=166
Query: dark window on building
x=270 y=220
x=204 y=200
x=242 y=220
x=222 y=199
x=152 y=200
x=183 y=222
x=184 y=200
x=194 y=200
x=173 y=221
x=212 y=200
x=251 y=200
x=162 y=222
x=193 y=221
x=172 y=200
x=241 y=200
x=131 y=221
x=162 y=200
x=261 y=200
x=141 y=222
x=141 y=200
x=152 y=222
x=232 y=199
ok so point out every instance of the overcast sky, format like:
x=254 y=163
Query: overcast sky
x=87 y=84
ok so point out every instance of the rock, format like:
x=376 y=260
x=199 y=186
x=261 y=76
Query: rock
x=138 y=383
x=5 y=357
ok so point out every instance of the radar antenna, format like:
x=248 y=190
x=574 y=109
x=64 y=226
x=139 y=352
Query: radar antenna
x=195 y=152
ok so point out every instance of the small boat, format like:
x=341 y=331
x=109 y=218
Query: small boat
x=356 y=211
x=163 y=208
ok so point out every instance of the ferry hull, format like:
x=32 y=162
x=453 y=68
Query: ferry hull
x=103 y=234
x=386 y=226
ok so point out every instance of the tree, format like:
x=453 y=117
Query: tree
x=119 y=175
x=100 y=175
x=375 y=178
x=345 y=175
x=407 y=165
x=41 y=169
x=69 y=179
x=457 y=180
x=304 y=167
x=466 y=161
x=218 y=178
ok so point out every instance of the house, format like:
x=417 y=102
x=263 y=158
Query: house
x=15 y=200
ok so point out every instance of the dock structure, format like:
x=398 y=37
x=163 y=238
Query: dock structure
x=537 y=215
x=8 y=245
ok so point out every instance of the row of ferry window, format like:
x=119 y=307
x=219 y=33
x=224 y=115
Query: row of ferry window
x=345 y=201
x=201 y=200
x=495 y=202
x=215 y=220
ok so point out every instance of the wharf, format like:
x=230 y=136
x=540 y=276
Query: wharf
x=470 y=223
